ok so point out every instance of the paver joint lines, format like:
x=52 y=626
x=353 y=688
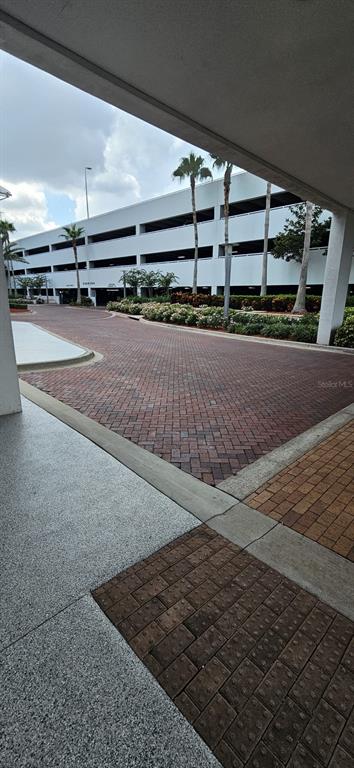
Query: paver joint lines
x=208 y=405
x=315 y=494
x=262 y=669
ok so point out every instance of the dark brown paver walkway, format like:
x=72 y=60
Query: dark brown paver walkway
x=315 y=494
x=207 y=404
x=262 y=669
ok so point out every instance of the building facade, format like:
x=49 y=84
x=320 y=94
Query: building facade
x=158 y=234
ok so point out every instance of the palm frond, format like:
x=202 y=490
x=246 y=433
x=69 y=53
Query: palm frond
x=205 y=173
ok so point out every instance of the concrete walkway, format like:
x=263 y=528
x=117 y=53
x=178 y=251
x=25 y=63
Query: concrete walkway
x=35 y=347
x=72 y=692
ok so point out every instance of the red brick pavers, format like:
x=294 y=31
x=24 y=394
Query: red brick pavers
x=315 y=494
x=207 y=404
x=262 y=669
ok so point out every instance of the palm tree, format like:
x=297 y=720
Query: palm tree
x=192 y=167
x=26 y=283
x=218 y=162
x=300 y=301
x=6 y=227
x=264 y=282
x=72 y=233
x=149 y=279
x=131 y=277
x=165 y=281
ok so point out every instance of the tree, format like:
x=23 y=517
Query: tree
x=218 y=162
x=300 y=301
x=72 y=233
x=123 y=279
x=264 y=281
x=303 y=231
x=26 y=283
x=149 y=279
x=6 y=227
x=192 y=167
x=165 y=281
x=289 y=243
x=35 y=282
x=131 y=277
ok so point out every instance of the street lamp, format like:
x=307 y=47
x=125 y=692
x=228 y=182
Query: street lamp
x=87 y=168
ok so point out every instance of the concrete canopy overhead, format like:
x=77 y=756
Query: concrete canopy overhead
x=269 y=85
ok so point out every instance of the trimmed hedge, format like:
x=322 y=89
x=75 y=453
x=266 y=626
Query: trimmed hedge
x=126 y=306
x=133 y=305
x=269 y=303
x=17 y=304
x=303 y=328
x=296 y=329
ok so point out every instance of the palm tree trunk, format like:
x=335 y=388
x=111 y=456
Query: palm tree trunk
x=12 y=275
x=78 y=289
x=264 y=283
x=228 y=250
x=300 y=301
x=195 y=225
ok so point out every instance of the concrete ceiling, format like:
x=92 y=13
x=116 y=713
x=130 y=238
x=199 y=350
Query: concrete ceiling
x=268 y=84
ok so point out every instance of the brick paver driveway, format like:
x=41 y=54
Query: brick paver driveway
x=209 y=405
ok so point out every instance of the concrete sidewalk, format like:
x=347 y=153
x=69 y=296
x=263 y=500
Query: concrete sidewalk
x=73 y=693
x=37 y=348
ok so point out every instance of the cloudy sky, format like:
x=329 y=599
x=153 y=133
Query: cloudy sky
x=51 y=131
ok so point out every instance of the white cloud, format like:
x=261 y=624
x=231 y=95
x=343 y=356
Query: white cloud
x=26 y=208
x=53 y=130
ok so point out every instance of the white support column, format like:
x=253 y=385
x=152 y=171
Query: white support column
x=10 y=401
x=336 y=279
x=92 y=295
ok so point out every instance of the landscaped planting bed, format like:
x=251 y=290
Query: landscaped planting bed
x=250 y=323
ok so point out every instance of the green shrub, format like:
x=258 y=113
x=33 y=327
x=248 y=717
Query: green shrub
x=236 y=328
x=17 y=304
x=127 y=307
x=302 y=333
x=85 y=302
x=344 y=336
x=269 y=303
x=145 y=299
x=213 y=319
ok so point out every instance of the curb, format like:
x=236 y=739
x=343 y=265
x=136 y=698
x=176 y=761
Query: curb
x=254 y=339
x=317 y=569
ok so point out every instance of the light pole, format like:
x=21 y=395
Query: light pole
x=87 y=168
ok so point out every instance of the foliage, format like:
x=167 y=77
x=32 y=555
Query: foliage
x=148 y=278
x=17 y=304
x=31 y=282
x=72 y=233
x=161 y=297
x=344 y=336
x=269 y=303
x=192 y=167
x=219 y=162
x=85 y=301
x=127 y=306
x=6 y=227
x=289 y=243
x=166 y=280
x=297 y=329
